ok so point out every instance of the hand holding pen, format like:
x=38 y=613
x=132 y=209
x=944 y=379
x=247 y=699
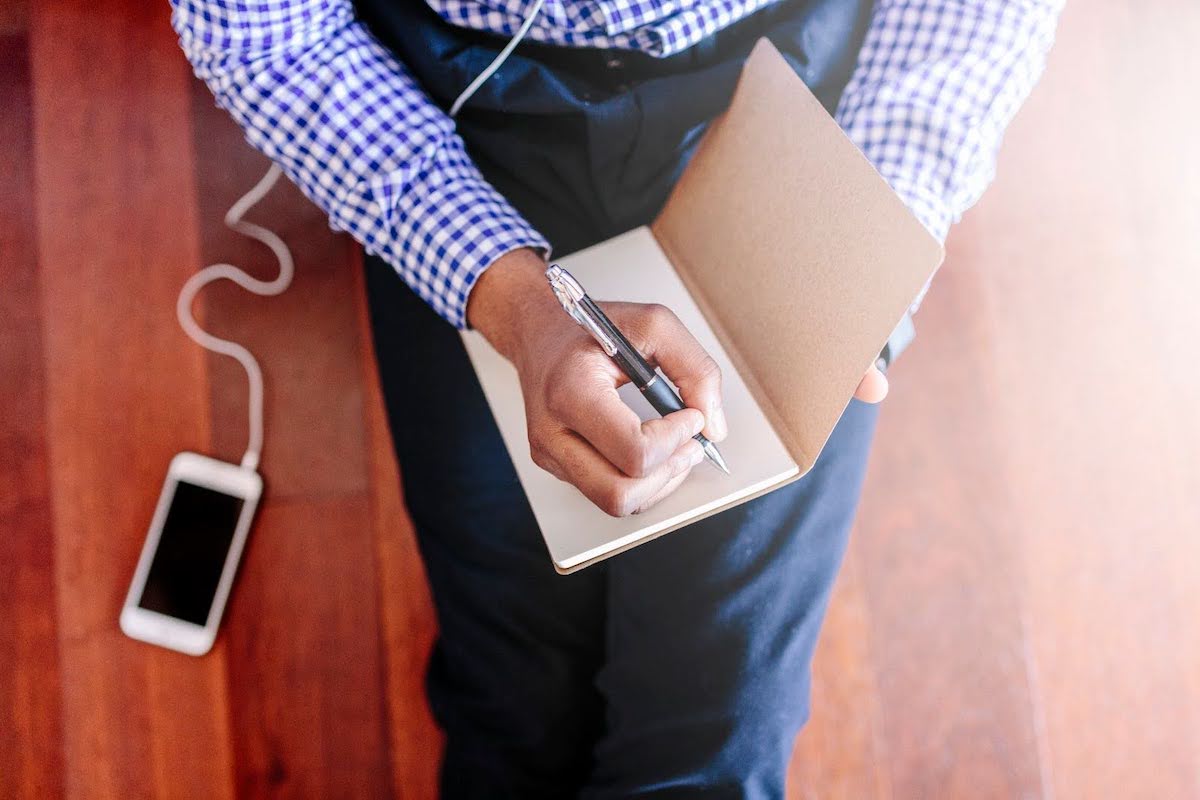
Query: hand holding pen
x=616 y=346
x=580 y=430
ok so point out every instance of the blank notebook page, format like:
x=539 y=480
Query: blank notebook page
x=633 y=268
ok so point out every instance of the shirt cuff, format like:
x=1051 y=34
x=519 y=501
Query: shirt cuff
x=447 y=225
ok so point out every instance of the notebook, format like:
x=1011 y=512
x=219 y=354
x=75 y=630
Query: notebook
x=789 y=258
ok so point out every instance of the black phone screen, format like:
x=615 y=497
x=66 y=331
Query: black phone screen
x=191 y=552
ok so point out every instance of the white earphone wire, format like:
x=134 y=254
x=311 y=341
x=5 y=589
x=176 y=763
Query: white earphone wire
x=498 y=60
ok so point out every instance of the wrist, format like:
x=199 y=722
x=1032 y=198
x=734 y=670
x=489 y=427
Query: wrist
x=509 y=293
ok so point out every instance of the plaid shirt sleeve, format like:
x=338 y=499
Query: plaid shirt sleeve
x=316 y=93
x=936 y=83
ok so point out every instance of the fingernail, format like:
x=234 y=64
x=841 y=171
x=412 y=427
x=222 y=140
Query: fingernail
x=697 y=423
x=697 y=454
x=718 y=424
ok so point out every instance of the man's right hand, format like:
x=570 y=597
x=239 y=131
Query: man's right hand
x=579 y=428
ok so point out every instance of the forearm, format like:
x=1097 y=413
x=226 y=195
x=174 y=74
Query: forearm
x=349 y=124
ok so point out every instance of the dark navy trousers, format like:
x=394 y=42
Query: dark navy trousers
x=679 y=668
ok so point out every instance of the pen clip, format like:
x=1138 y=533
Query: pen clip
x=570 y=296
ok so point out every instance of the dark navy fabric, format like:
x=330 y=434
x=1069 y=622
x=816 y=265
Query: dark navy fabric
x=679 y=668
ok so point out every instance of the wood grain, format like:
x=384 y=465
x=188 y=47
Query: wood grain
x=30 y=740
x=14 y=19
x=115 y=209
x=304 y=676
x=1094 y=344
x=941 y=566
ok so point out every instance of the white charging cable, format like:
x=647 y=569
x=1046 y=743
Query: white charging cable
x=498 y=60
x=215 y=272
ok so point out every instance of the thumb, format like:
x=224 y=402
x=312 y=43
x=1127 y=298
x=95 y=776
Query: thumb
x=684 y=360
x=873 y=387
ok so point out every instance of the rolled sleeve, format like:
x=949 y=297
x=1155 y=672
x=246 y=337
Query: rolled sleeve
x=445 y=226
x=347 y=122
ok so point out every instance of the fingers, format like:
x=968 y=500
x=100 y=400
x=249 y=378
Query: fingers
x=573 y=460
x=662 y=493
x=665 y=340
x=873 y=387
x=582 y=432
x=636 y=448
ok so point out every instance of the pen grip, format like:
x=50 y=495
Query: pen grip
x=662 y=396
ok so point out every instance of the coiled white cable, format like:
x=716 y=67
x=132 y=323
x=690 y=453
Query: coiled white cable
x=271 y=288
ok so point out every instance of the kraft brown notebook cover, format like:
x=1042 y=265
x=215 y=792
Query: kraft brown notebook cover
x=789 y=257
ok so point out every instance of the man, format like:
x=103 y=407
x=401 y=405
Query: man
x=681 y=667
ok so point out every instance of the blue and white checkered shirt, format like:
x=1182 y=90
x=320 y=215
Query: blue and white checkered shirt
x=935 y=85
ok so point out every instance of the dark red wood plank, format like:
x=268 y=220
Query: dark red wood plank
x=124 y=389
x=31 y=738
x=304 y=676
x=14 y=17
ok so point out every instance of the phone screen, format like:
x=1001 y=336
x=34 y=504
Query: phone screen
x=191 y=552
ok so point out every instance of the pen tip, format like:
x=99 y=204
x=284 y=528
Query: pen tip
x=714 y=455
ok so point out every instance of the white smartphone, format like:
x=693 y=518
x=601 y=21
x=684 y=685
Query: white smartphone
x=191 y=554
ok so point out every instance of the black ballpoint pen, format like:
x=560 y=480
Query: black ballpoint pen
x=588 y=314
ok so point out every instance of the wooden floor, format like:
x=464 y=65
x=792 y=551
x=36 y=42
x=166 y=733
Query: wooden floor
x=1019 y=614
